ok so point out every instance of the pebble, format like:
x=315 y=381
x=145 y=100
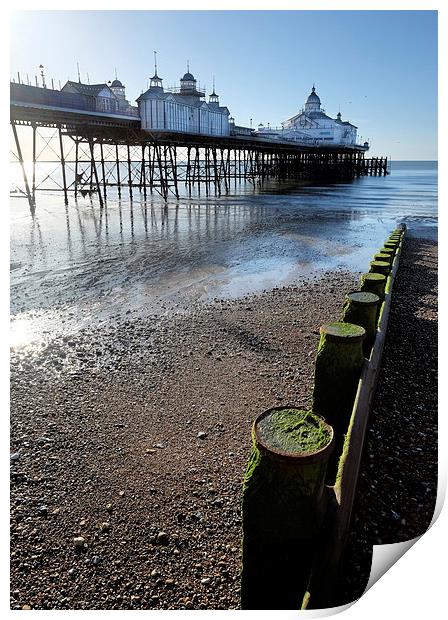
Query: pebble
x=162 y=538
x=201 y=435
x=79 y=542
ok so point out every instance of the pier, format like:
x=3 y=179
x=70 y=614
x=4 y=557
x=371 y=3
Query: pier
x=94 y=150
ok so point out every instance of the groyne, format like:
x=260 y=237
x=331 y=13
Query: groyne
x=294 y=535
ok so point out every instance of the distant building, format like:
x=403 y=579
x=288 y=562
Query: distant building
x=182 y=109
x=313 y=125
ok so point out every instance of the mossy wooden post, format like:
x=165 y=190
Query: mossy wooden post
x=389 y=251
x=374 y=283
x=391 y=245
x=339 y=361
x=361 y=308
x=283 y=506
x=379 y=266
x=385 y=258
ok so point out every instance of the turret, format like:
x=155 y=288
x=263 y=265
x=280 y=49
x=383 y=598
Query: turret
x=118 y=88
x=213 y=99
x=155 y=81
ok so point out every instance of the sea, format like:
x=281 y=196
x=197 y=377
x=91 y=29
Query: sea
x=79 y=266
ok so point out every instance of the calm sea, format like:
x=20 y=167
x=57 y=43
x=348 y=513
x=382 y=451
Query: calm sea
x=82 y=265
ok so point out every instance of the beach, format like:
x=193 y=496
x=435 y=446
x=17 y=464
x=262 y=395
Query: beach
x=130 y=442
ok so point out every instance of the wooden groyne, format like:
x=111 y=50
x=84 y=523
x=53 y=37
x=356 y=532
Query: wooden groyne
x=298 y=496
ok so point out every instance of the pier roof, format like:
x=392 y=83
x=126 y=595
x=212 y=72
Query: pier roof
x=86 y=89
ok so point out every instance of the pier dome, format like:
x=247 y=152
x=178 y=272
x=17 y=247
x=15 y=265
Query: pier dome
x=188 y=76
x=116 y=83
x=313 y=102
x=313 y=97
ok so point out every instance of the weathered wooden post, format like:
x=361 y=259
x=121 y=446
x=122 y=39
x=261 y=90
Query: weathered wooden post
x=339 y=361
x=283 y=506
x=373 y=283
x=385 y=257
x=379 y=266
x=391 y=245
x=361 y=308
x=389 y=251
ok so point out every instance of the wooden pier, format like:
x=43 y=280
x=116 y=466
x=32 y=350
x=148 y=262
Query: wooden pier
x=93 y=152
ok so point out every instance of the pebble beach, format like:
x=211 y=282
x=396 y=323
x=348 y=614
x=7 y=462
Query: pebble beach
x=129 y=443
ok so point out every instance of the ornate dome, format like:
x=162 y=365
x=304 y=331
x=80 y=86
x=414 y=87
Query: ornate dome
x=117 y=83
x=312 y=97
x=189 y=77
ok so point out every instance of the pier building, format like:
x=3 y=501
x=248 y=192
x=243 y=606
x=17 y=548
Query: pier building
x=182 y=109
x=312 y=125
x=110 y=97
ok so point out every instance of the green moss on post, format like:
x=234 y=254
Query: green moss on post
x=391 y=245
x=379 y=266
x=389 y=251
x=338 y=366
x=385 y=258
x=283 y=506
x=374 y=283
x=361 y=308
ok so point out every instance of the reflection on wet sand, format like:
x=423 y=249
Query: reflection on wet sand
x=84 y=264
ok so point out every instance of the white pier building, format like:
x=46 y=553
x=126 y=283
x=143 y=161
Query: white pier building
x=312 y=125
x=182 y=109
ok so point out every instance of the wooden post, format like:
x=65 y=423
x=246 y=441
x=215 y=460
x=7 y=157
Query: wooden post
x=283 y=506
x=361 y=308
x=338 y=365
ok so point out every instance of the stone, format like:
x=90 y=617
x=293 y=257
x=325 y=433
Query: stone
x=79 y=542
x=201 y=435
x=162 y=538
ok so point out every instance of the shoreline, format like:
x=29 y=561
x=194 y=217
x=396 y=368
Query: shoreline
x=136 y=440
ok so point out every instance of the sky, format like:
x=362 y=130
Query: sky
x=379 y=68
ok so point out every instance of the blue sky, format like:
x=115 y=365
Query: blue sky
x=378 y=67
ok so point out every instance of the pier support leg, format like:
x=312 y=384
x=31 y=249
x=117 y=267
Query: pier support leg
x=22 y=165
x=33 y=186
x=64 y=178
x=95 y=172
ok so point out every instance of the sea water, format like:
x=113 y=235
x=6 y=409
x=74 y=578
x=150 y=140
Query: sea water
x=80 y=265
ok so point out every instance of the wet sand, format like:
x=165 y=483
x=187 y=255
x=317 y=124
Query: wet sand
x=134 y=438
x=108 y=427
